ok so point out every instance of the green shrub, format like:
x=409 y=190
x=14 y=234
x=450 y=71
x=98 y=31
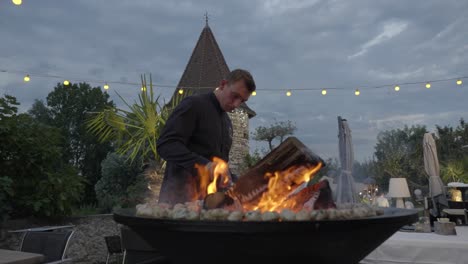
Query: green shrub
x=118 y=173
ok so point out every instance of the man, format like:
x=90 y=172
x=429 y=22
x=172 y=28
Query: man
x=198 y=130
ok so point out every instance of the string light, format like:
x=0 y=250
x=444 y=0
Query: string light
x=27 y=78
x=181 y=91
x=357 y=92
x=143 y=89
x=67 y=81
x=106 y=86
x=17 y=2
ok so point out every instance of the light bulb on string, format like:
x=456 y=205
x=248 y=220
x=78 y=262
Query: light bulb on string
x=254 y=93
x=66 y=82
x=106 y=86
x=17 y=2
x=428 y=85
x=397 y=88
x=357 y=92
x=143 y=89
x=459 y=82
x=324 y=92
x=27 y=78
x=288 y=93
x=181 y=91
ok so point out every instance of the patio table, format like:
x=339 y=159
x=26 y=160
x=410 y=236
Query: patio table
x=427 y=248
x=19 y=257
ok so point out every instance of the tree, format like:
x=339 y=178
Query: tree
x=399 y=153
x=450 y=140
x=277 y=130
x=32 y=172
x=69 y=106
x=118 y=174
x=364 y=170
x=40 y=112
x=8 y=106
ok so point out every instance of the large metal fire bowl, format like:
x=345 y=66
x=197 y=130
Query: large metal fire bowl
x=329 y=241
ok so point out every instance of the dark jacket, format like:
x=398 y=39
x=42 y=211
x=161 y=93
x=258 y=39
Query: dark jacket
x=197 y=130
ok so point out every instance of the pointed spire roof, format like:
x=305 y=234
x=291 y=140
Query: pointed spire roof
x=205 y=68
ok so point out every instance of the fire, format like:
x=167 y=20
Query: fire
x=275 y=197
x=220 y=171
x=280 y=185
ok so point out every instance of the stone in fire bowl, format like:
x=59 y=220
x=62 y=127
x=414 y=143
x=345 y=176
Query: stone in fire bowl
x=328 y=241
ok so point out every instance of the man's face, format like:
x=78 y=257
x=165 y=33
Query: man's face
x=232 y=95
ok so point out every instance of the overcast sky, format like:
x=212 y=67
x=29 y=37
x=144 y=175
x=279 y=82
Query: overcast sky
x=285 y=44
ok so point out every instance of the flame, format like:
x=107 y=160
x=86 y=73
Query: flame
x=280 y=185
x=276 y=197
x=219 y=170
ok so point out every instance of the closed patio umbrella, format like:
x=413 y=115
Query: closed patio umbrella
x=345 y=189
x=431 y=166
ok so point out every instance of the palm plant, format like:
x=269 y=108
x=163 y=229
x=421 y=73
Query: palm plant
x=455 y=171
x=134 y=131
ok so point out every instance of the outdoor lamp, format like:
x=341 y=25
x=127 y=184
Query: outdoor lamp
x=398 y=188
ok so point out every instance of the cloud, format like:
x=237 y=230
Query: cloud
x=390 y=30
x=285 y=44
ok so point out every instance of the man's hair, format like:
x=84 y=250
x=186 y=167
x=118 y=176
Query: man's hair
x=240 y=74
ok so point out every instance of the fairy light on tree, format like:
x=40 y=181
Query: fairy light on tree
x=106 y=86
x=66 y=82
x=254 y=93
x=27 y=78
x=181 y=91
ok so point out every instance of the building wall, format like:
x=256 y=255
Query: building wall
x=240 y=140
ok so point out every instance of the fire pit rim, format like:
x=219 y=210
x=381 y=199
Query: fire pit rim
x=127 y=216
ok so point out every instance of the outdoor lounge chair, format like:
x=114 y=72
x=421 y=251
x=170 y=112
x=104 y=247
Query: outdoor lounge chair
x=53 y=245
x=114 y=246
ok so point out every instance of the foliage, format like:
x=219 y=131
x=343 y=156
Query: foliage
x=364 y=170
x=31 y=156
x=450 y=140
x=40 y=112
x=250 y=160
x=455 y=171
x=8 y=106
x=135 y=130
x=86 y=209
x=278 y=130
x=68 y=106
x=6 y=196
x=118 y=174
x=139 y=192
x=399 y=153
